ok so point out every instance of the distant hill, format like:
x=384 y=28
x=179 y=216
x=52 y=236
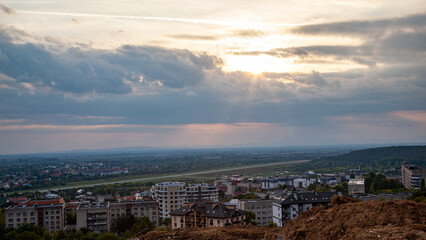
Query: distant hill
x=375 y=158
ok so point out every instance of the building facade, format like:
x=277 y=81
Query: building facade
x=93 y=216
x=356 y=186
x=207 y=214
x=169 y=195
x=412 y=176
x=261 y=208
x=48 y=214
x=203 y=191
x=172 y=195
x=290 y=207
x=139 y=209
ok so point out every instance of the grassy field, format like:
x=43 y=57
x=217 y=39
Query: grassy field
x=258 y=169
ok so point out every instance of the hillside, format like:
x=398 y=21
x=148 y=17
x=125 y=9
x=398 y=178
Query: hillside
x=346 y=218
x=374 y=159
x=349 y=219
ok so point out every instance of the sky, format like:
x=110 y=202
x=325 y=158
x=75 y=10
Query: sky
x=99 y=74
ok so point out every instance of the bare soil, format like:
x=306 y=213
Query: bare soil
x=346 y=218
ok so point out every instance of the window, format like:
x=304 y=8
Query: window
x=24 y=214
x=32 y=214
x=18 y=214
x=18 y=219
x=57 y=212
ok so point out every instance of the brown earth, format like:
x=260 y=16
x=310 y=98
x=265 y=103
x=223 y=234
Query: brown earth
x=225 y=233
x=346 y=218
x=351 y=219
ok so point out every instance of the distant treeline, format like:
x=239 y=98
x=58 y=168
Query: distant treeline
x=375 y=159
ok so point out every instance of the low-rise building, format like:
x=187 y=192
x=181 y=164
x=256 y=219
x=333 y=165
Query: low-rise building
x=48 y=214
x=356 y=186
x=207 y=214
x=261 y=208
x=290 y=207
x=93 y=216
x=139 y=209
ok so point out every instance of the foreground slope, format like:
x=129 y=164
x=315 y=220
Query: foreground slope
x=351 y=219
x=346 y=218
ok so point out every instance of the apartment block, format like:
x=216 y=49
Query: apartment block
x=261 y=208
x=203 y=191
x=139 y=209
x=172 y=195
x=93 y=216
x=412 y=176
x=49 y=216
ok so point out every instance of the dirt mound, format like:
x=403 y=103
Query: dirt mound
x=225 y=233
x=339 y=200
x=348 y=219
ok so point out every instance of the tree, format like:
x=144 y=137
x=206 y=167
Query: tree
x=272 y=224
x=250 y=217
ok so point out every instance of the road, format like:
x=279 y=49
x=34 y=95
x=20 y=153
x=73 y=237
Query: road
x=175 y=175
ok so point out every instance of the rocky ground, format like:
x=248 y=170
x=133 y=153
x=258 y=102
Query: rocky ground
x=346 y=218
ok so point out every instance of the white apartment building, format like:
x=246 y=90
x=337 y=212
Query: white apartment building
x=172 y=195
x=169 y=195
x=202 y=191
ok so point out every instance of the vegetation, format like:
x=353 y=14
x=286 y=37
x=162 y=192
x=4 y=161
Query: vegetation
x=384 y=159
x=250 y=218
x=247 y=196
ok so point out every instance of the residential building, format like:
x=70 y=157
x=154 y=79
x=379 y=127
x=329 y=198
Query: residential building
x=356 y=186
x=48 y=214
x=289 y=207
x=169 y=195
x=93 y=216
x=139 y=209
x=172 y=195
x=201 y=191
x=207 y=214
x=412 y=176
x=261 y=208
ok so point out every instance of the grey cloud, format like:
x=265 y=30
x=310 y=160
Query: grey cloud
x=194 y=37
x=7 y=10
x=79 y=71
x=248 y=33
x=364 y=28
x=75 y=21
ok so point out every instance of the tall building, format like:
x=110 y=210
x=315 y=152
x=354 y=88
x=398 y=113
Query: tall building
x=169 y=195
x=261 y=208
x=139 y=209
x=412 y=176
x=45 y=213
x=93 y=216
x=172 y=195
x=203 y=191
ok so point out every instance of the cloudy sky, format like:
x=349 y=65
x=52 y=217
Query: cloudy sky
x=98 y=74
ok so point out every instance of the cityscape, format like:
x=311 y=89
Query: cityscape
x=215 y=120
